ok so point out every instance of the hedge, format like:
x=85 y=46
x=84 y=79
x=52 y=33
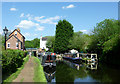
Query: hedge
x=11 y=60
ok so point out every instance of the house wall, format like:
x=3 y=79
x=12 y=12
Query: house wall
x=19 y=36
x=12 y=42
x=43 y=44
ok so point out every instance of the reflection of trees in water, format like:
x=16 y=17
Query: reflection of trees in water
x=65 y=73
x=49 y=72
x=105 y=74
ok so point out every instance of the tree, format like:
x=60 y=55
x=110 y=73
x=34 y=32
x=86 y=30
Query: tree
x=50 y=43
x=35 y=43
x=80 y=41
x=64 y=32
x=105 y=41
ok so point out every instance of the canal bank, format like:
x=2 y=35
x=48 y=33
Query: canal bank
x=38 y=71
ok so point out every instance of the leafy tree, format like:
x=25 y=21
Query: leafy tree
x=64 y=32
x=35 y=43
x=79 y=41
x=105 y=40
x=50 y=43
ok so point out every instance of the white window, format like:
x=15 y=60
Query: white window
x=8 y=45
x=15 y=32
x=16 y=45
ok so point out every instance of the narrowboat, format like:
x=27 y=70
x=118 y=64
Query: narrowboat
x=49 y=58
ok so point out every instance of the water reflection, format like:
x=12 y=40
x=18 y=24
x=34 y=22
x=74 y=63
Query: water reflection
x=77 y=66
x=66 y=71
x=50 y=73
x=92 y=66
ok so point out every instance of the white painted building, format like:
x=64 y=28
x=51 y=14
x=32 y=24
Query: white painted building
x=43 y=41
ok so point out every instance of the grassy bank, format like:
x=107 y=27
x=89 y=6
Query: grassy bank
x=38 y=71
x=14 y=75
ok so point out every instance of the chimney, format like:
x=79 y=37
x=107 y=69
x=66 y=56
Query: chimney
x=18 y=29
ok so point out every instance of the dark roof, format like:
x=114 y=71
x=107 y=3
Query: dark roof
x=14 y=36
x=44 y=38
x=19 y=33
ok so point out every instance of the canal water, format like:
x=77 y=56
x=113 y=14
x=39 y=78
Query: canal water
x=66 y=71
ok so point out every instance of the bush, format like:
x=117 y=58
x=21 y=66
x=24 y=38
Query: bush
x=11 y=60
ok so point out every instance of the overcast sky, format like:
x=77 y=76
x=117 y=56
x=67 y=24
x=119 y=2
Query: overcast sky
x=40 y=18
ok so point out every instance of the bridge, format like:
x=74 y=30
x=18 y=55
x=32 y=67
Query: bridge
x=31 y=49
x=34 y=50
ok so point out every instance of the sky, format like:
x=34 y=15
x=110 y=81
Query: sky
x=40 y=18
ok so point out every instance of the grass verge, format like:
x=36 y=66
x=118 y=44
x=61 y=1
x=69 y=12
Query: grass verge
x=22 y=80
x=39 y=75
x=14 y=75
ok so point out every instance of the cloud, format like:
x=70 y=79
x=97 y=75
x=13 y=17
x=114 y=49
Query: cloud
x=26 y=24
x=69 y=6
x=29 y=16
x=22 y=15
x=63 y=7
x=86 y=31
x=50 y=20
x=42 y=19
x=27 y=34
x=40 y=28
x=83 y=30
x=37 y=18
x=13 y=9
x=35 y=34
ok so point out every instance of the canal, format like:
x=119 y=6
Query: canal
x=66 y=71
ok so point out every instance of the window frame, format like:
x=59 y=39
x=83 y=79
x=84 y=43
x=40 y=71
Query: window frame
x=8 y=46
x=17 y=45
x=15 y=33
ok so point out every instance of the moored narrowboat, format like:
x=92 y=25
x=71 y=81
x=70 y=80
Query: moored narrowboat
x=49 y=58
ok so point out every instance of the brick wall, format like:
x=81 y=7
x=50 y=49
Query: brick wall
x=12 y=42
x=19 y=36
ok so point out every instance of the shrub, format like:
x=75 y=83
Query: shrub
x=11 y=60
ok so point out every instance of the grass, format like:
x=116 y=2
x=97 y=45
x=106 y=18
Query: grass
x=14 y=75
x=39 y=75
x=22 y=80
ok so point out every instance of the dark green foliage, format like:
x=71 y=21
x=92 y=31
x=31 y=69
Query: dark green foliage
x=79 y=41
x=105 y=41
x=35 y=43
x=64 y=32
x=50 y=43
x=11 y=60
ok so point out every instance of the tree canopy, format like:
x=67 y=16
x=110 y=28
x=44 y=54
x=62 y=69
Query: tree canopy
x=35 y=43
x=64 y=32
x=105 y=40
x=50 y=43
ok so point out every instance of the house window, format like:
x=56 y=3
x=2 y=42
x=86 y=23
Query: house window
x=15 y=32
x=16 y=45
x=8 y=45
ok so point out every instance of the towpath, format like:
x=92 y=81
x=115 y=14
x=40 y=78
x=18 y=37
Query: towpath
x=27 y=73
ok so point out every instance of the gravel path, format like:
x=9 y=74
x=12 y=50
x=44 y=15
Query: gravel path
x=27 y=73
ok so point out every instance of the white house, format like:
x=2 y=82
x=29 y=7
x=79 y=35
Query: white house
x=43 y=41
